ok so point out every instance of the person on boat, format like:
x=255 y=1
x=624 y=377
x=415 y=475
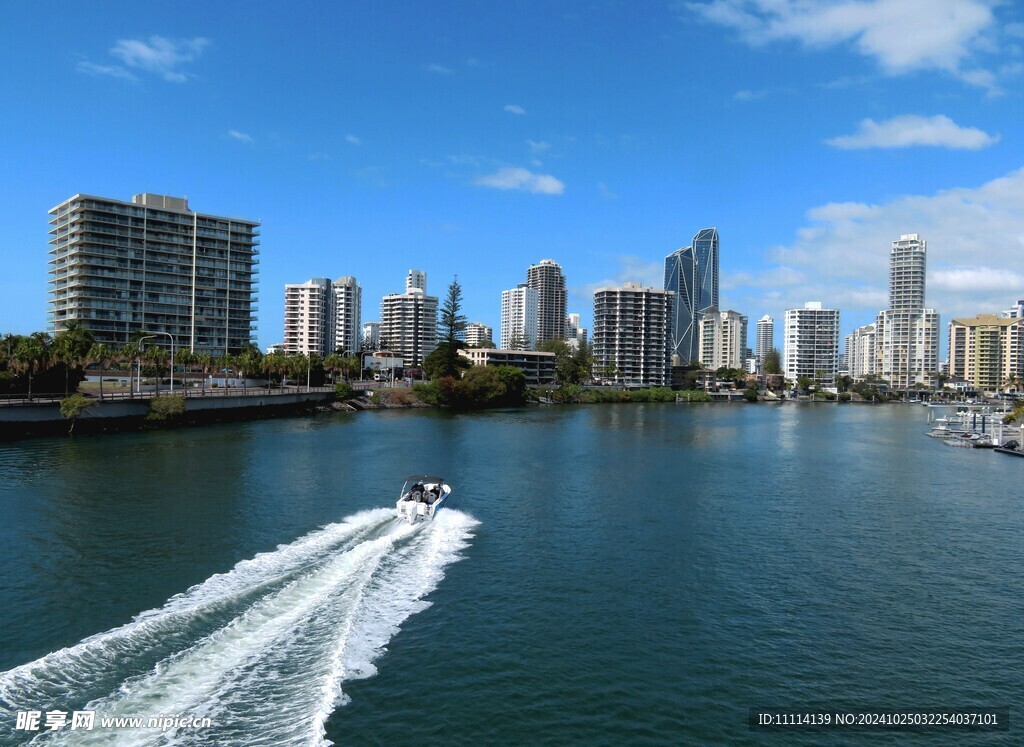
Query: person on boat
x=417 y=492
x=433 y=494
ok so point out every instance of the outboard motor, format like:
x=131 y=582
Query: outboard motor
x=1011 y=444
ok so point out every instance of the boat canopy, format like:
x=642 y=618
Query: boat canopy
x=424 y=478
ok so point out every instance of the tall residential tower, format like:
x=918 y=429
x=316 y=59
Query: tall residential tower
x=691 y=273
x=547 y=279
x=153 y=265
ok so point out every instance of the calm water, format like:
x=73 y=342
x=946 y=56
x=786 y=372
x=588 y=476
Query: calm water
x=612 y=574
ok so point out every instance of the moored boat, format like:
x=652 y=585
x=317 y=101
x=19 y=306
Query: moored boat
x=422 y=497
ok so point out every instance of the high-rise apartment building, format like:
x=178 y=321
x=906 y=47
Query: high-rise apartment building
x=371 y=336
x=519 y=317
x=765 y=338
x=153 y=265
x=547 y=279
x=347 y=315
x=416 y=279
x=575 y=335
x=862 y=351
x=631 y=342
x=408 y=322
x=987 y=350
x=811 y=343
x=1017 y=312
x=321 y=316
x=478 y=333
x=721 y=339
x=307 y=312
x=907 y=332
x=691 y=273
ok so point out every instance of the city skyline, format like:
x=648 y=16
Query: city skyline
x=438 y=144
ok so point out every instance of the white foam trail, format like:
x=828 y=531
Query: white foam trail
x=307 y=618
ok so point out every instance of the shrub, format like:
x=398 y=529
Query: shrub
x=343 y=390
x=72 y=407
x=750 y=395
x=166 y=408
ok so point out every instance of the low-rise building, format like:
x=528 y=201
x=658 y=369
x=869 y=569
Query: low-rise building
x=539 y=368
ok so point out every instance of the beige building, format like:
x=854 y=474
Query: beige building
x=408 y=321
x=986 y=350
x=722 y=339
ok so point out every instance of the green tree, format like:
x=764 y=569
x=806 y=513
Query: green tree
x=73 y=406
x=803 y=383
x=250 y=361
x=451 y=324
x=773 y=362
x=519 y=341
x=31 y=354
x=70 y=348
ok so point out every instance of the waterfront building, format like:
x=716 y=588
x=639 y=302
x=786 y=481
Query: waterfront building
x=862 y=352
x=691 y=274
x=408 y=321
x=987 y=350
x=539 y=368
x=765 y=338
x=907 y=333
x=477 y=333
x=721 y=340
x=307 y=311
x=547 y=279
x=371 y=336
x=519 y=317
x=153 y=265
x=322 y=317
x=346 y=315
x=811 y=343
x=631 y=334
x=276 y=348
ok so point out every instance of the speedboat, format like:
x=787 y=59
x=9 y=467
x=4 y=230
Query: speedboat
x=422 y=497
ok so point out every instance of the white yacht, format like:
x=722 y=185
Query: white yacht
x=422 y=497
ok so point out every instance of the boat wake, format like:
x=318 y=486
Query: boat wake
x=261 y=651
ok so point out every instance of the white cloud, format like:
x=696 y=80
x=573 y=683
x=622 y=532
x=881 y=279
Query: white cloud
x=433 y=67
x=515 y=109
x=523 y=180
x=975 y=241
x=900 y=35
x=160 y=56
x=910 y=130
x=631 y=269
x=114 y=71
x=746 y=95
x=353 y=140
x=538 y=146
x=241 y=137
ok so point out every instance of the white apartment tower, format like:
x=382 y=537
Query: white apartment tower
x=721 y=340
x=347 y=315
x=765 y=338
x=477 y=333
x=416 y=279
x=547 y=279
x=307 y=311
x=862 y=351
x=575 y=335
x=519 y=317
x=631 y=334
x=408 y=321
x=153 y=265
x=907 y=332
x=371 y=336
x=321 y=316
x=811 y=343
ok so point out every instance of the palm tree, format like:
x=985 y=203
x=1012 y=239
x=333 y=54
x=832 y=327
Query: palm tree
x=103 y=356
x=31 y=355
x=350 y=366
x=128 y=353
x=250 y=360
x=334 y=363
x=71 y=347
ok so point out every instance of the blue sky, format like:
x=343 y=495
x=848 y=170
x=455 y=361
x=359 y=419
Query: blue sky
x=478 y=138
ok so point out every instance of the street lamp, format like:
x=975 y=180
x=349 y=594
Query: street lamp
x=150 y=337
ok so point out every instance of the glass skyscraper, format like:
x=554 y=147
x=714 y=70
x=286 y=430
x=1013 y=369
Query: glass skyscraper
x=692 y=274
